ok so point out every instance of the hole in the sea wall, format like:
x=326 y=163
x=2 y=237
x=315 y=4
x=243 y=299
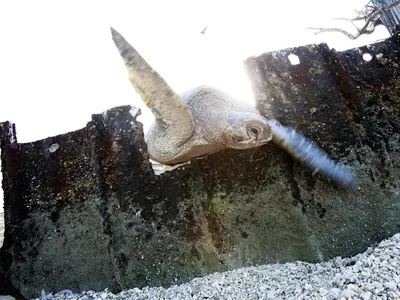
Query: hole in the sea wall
x=294 y=59
x=367 y=56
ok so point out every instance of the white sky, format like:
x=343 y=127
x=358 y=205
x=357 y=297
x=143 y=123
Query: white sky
x=58 y=64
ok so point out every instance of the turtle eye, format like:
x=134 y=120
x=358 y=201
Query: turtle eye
x=254 y=130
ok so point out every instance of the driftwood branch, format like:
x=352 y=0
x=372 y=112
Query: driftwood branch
x=371 y=16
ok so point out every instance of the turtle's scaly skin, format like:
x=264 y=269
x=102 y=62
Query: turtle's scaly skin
x=205 y=120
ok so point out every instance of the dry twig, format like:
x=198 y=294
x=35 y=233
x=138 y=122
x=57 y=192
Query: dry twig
x=371 y=16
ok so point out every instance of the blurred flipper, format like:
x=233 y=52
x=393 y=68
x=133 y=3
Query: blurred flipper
x=305 y=151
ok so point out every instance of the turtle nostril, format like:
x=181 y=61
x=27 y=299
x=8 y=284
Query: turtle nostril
x=237 y=138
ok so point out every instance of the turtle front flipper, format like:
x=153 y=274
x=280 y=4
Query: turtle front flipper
x=304 y=150
x=171 y=113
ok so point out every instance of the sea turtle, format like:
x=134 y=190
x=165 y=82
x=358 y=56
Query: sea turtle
x=205 y=120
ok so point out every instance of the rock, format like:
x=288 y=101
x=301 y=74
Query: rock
x=85 y=211
x=366 y=295
x=347 y=294
x=308 y=287
x=335 y=291
x=323 y=291
x=391 y=285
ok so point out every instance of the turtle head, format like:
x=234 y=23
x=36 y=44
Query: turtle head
x=246 y=130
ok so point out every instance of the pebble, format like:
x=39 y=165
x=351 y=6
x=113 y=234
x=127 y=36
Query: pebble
x=308 y=287
x=335 y=291
x=391 y=285
x=347 y=294
x=366 y=295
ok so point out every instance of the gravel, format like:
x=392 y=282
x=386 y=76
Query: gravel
x=374 y=274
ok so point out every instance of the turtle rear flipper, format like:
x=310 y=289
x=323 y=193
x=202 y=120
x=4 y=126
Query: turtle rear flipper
x=313 y=156
x=171 y=113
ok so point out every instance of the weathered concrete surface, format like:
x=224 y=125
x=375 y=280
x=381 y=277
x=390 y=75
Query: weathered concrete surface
x=351 y=108
x=93 y=215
